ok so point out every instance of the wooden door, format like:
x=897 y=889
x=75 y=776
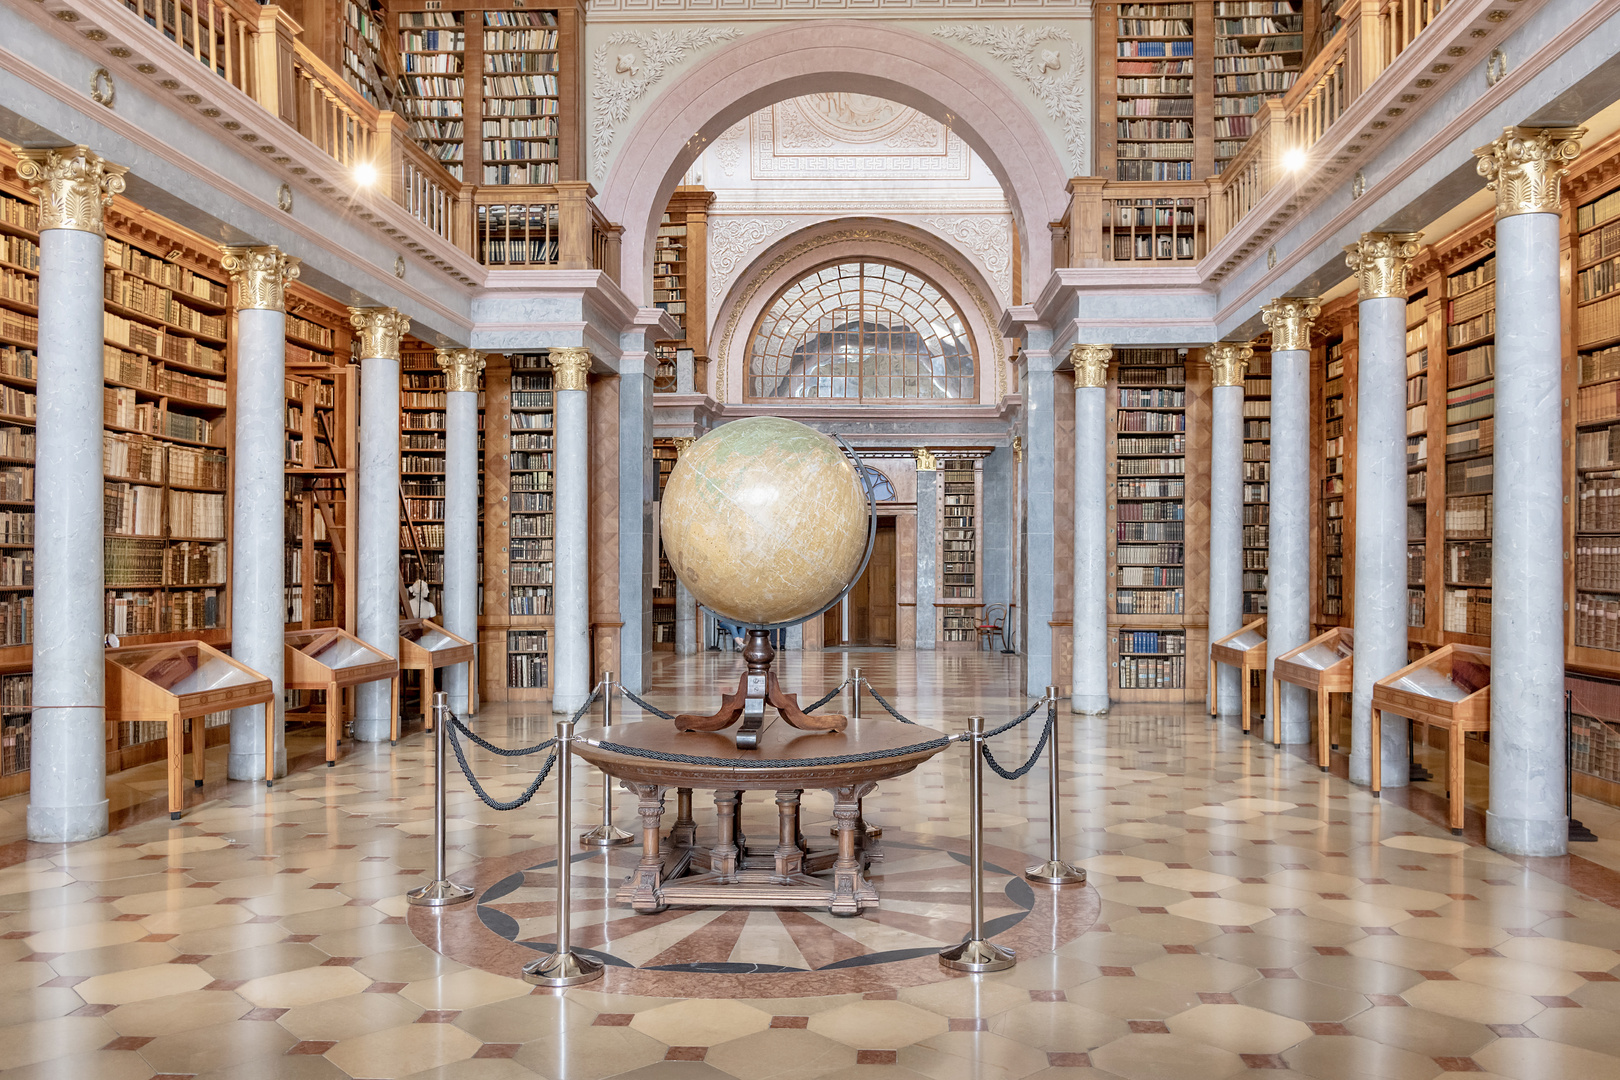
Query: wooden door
x=872 y=611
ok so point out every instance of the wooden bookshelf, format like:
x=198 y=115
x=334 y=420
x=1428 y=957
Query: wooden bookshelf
x=1334 y=473
x=493 y=91
x=960 y=495
x=1470 y=327
x=1259 y=52
x=1595 y=485
x=663 y=598
x=1256 y=482
x=421 y=469
x=1417 y=460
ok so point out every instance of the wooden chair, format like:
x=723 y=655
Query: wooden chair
x=992 y=626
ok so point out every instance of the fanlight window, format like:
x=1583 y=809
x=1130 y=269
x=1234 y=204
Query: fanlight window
x=861 y=331
x=877 y=485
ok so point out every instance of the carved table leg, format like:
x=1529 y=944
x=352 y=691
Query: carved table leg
x=850 y=890
x=723 y=862
x=649 y=873
x=684 y=834
x=789 y=857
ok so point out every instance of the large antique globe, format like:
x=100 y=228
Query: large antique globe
x=764 y=520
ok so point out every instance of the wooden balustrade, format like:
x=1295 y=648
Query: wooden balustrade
x=218 y=34
x=330 y=113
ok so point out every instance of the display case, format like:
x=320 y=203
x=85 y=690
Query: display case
x=1245 y=650
x=1323 y=665
x=330 y=659
x=1451 y=689
x=426 y=646
x=178 y=681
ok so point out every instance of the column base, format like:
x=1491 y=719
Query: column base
x=458 y=705
x=372 y=730
x=925 y=646
x=66 y=824
x=1089 y=704
x=250 y=766
x=566 y=704
x=1513 y=836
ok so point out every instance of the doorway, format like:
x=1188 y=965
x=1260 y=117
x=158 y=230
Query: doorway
x=873 y=611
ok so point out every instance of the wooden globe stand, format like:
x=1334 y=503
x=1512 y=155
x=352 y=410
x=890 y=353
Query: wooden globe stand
x=758 y=689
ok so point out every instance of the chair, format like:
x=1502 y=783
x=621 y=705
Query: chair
x=992 y=625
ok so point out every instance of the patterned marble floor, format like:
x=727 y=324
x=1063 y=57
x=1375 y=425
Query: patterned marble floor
x=1253 y=914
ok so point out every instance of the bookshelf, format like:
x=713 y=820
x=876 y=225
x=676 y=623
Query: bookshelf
x=512 y=71
x=1417 y=460
x=421 y=469
x=1469 y=438
x=1336 y=453
x=1147 y=556
x=1259 y=51
x=959 y=480
x=1595 y=611
x=1256 y=482
x=670 y=265
x=1147 y=75
x=367 y=62
x=664 y=628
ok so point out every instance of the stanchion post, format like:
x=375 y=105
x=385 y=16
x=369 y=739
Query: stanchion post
x=440 y=892
x=976 y=954
x=563 y=967
x=606 y=834
x=855 y=696
x=1054 y=871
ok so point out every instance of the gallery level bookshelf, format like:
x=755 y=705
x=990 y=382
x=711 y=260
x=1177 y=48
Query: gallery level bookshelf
x=960 y=496
x=1470 y=346
x=1333 y=445
x=1259 y=52
x=663 y=598
x=1256 y=482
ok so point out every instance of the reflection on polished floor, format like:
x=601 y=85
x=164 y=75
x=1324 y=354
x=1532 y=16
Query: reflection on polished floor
x=1250 y=913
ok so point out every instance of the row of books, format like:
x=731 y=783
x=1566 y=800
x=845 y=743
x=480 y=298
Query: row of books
x=1151 y=466
x=1151 y=489
x=529 y=600
x=1470 y=477
x=1468 y=517
x=163 y=272
x=1141 y=673
x=1157 y=531
x=1175 y=444
x=1150 y=421
x=1597 y=321
x=1597 y=565
x=1153 y=577
x=1597 y=621
x=1150 y=511
x=1149 y=554
x=1467 y=564
x=1467 y=611
x=1148 y=602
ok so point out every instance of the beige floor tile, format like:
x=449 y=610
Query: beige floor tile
x=1121 y=866
x=485 y=1069
x=523 y=1019
x=1312 y=1002
x=141 y=984
x=1165 y=929
x=114 y=958
x=196 y=920
x=464 y=989
x=348 y=1017
x=1550 y=952
x=589 y=1053
x=399 y=1051
x=1133 y=999
x=1238 y=1028
x=304 y=986
x=1194 y=972
x=263 y=960
x=784 y=1054
x=1518 y=976
x=96 y=1064
x=878 y=1025
x=1346 y=1057
x=1428 y=1034
x=1139 y=893
x=89 y=936
x=408 y=965
x=1259 y=950
x=937 y=1064
x=1355 y=913
x=174 y=899
x=295 y=903
x=177 y=1012
x=975 y=997
x=42 y=1040
x=1407 y=952
x=1358 y=974
x=1473 y=1001
x=1060 y=1026
x=1165 y=1057
x=1540 y=1059
x=700 y=1023
x=1454 y=932
x=1114 y=950
x=37 y=1003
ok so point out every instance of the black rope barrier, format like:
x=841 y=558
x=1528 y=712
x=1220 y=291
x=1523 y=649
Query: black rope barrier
x=655 y=710
x=1014 y=774
x=1009 y=725
x=456 y=724
x=828 y=696
x=485 y=744
x=890 y=709
x=772 y=763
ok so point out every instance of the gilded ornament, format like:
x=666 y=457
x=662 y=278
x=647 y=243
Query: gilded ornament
x=681 y=443
x=1526 y=168
x=1290 y=319
x=461 y=369
x=1018 y=448
x=570 y=367
x=74 y=185
x=380 y=330
x=926 y=462
x=1381 y=262
x=1091 y=364
x=1229 y=361
x=260 y=275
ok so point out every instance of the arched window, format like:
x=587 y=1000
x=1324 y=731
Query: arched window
x=879 y=486
x=864 y=331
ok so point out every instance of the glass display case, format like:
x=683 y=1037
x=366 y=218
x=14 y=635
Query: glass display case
x=425 y=646
x=1450 y=689
x=1322 y=665
x=178 y=681
x=1245 y=650
x=329 y=659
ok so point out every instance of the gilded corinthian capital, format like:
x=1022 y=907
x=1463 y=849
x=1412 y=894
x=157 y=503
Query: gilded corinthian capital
x=1091 y=364
x=570 y=367
x=260 y=275
x=461 y=368
x=1290 y=319
x=926 y=462
x=380 y=330
x=1526 y=168
x=1229 y=361
x=74 y=184
x=1381 y=261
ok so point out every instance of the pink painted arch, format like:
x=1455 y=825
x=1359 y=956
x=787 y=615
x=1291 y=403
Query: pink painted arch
x=760 y=69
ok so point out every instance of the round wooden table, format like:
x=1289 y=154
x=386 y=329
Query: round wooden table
x=674 y=869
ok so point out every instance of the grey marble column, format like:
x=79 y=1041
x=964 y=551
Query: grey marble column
x=1528 y=761
x=1039 y=384
x=461 y=585
x=1229 y=363
x=686 y=621
x=927 y=549
x=67 y=798
x=1380 y=261
x=258 y=601
x=638 y=487
x=1288 y=562
x=685 y=371
x=1089 y=662
x=377 y=588
x=571 y=594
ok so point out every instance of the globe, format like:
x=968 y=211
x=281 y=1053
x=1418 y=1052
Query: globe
x=764 y=520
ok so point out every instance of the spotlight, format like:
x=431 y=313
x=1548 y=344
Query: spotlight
x=365 y=174
x=1293 y=160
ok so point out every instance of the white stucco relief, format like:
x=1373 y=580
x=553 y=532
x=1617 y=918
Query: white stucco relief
x=731 y=242
x=1049 y=62
x=626 y=66
x=990 y=241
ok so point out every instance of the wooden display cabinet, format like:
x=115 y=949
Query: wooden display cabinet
x=1450 y=689
x=425 y=646
x=1244 y=649
x=1324 y=666
x=173 y=682
x=331 y=660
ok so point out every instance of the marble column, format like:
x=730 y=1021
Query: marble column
x=637 y=574
x=461 y=585
x=1380 y=261
x=571 y=591
x=1089 y=663
x=259 y=277
x=1038 y=381
x=688 y=627
x=1288 y=558
x=685 y=371
x=377 y=550
x=1229 y=364
x=1528 y=763
x=67 y=798
x=927 y=549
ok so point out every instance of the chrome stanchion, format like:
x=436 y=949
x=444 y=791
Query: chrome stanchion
x=976 y=954
x=855 y=696
x=1054 y=871
x=440 y=892
x=605 y=834
x=564 y=967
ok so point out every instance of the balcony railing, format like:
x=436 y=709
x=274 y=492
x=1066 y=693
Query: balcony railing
x=259 y=51
x=1372 y=34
